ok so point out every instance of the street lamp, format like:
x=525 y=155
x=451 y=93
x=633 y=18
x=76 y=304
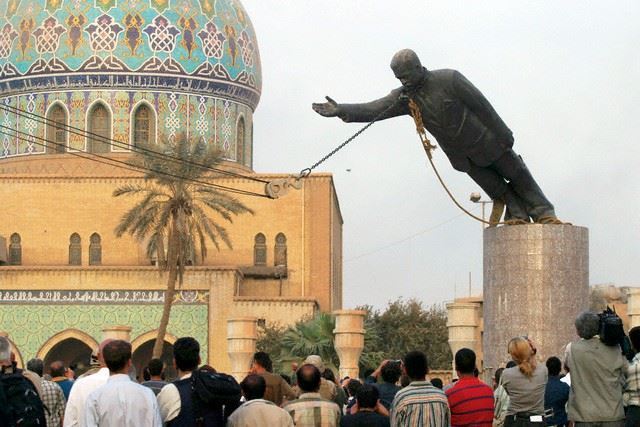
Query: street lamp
x=476 y=197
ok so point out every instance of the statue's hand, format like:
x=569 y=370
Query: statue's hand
x=327 y=109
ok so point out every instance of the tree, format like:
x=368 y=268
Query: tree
x=175 y=211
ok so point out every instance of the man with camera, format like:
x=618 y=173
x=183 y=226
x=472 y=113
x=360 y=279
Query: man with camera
x=598 y=369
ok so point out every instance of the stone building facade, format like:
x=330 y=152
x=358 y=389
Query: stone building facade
x=118 y=74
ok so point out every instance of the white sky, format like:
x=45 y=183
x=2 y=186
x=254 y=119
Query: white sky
x=564 y=76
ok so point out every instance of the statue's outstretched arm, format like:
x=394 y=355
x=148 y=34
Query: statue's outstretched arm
x=475 y=100
x=364 y=112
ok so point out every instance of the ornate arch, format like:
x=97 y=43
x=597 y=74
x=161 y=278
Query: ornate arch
x=151 y=335
x=90 y=142
x=153 y=137
x=64 y=335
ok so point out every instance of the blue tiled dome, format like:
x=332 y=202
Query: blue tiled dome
x=200 y=46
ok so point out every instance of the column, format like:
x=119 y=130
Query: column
x=349 y=340
x=119 y=332
x=242 y=335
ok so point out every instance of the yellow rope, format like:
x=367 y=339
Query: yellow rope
x=428 y=148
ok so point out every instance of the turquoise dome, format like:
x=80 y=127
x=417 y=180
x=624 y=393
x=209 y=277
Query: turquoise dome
x=198 y=46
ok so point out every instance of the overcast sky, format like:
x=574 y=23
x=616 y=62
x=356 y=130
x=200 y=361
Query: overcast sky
x=564 y=76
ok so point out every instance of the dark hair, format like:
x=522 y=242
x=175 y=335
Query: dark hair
x=353 y=386
x=156 y=366
x=498 y=374
x=263 y=359
x=437 y=383
x=36 y=365
x=554 y=365
x=308 y=378
x=253 y=387
x=286 y=377
x=186 y=352
x=391 y=372
x=416 y=365
x=116 y=354
x=465 y=361
x=634 y=337
x=367 y=396
x=56 y=369
x=145 y=374
x=511 y=364
x=329 y=375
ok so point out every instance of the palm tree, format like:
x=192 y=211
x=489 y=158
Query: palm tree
x=314 y=336
x=174 y=211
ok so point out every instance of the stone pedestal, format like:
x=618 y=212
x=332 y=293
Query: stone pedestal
x=242 y=334
x=633 y=307
x=349 y=340
x=119 y=332
x=536 y=282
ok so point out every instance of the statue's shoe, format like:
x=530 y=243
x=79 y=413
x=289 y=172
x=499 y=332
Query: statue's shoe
x=550 y=220
x=516 y=221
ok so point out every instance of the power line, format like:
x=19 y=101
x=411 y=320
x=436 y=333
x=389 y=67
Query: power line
x=106 y=140
x=404 y=239
x=122 y=164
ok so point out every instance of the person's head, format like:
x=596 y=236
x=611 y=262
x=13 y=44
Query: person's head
x=465 y=361
x=554 y=366
x=415 y=365
x=101 y=351
x=156 y=366
x=36 y=366
x=522 y=353
x=253 y=387
x=316 y=361
x=634 y=337
x=146 y=376
x=117 y=356
x=353 y=386
x=437 y=383
x=56 y=369
x=497 y=376
x=308 y=378
x=329 y=375
x=587 y=324
x=407 y=68
x=186 y=354
x=367 y=396
x=5 y=351
x=391 y=372
x=262 y=360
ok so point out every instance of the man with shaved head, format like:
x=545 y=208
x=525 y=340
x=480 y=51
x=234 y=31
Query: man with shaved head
x=468 y=129
x=74 y=414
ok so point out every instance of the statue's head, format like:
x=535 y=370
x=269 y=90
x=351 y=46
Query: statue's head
x=407 y=68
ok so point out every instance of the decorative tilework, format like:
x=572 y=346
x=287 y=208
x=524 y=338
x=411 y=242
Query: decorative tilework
x=44 y=321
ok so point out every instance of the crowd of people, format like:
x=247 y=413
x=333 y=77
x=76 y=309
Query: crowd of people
x=600 y=388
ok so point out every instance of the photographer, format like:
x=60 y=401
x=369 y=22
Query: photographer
x=597 y=374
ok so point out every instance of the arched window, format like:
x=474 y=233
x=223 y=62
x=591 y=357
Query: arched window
x=15 y=249
x=260 y=250
x=143 y=125
x=240 y=145
x=75 y=250
x=95 y=249
x=280 y=250
x=100 y=130
x=56 y=130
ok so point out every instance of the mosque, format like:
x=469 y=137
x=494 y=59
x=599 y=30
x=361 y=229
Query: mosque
x=133 y=72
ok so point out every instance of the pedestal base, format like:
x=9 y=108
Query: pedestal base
x=536 y=282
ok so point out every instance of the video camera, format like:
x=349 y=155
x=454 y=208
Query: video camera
x=612 y=332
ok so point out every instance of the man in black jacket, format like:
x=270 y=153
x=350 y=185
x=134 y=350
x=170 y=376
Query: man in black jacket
x=468 y=129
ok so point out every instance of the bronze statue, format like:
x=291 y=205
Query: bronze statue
x=470 y=132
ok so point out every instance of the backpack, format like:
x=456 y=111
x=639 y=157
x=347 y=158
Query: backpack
x=21 y=405
x=214 y=390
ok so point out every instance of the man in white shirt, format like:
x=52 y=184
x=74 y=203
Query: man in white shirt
x=121 y=402
x=74 y=412
x=256 y=411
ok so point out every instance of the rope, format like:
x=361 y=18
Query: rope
x=428 y=148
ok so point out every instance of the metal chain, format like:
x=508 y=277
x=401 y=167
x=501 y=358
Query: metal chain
x=305 y=172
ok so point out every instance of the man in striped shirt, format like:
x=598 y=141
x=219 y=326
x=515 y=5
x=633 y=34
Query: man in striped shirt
x=470 y=400
x=310 y=409
x=419 y=404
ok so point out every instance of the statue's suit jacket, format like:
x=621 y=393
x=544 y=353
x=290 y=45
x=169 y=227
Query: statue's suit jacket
x=464 y=123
